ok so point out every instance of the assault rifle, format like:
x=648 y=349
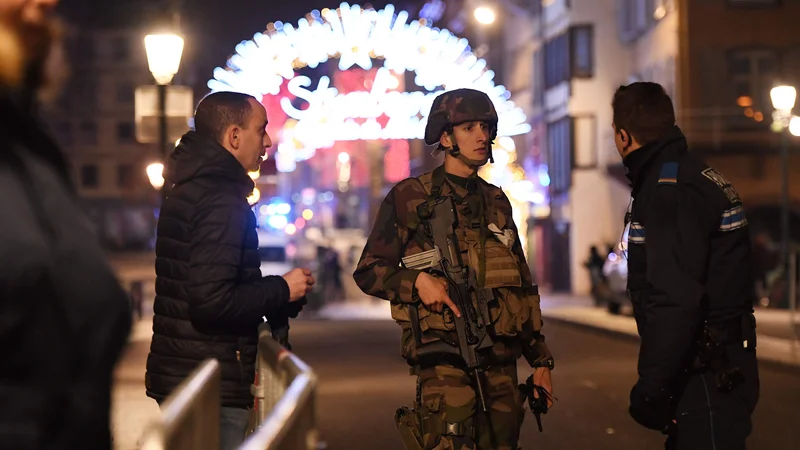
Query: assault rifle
x=472 y=328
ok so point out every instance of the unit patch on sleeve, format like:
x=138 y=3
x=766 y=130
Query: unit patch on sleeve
x=723 y=184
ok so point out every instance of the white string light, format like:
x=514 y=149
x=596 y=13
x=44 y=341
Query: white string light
x=441 y=61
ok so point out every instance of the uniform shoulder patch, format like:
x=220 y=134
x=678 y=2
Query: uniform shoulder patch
x=733 y=219
x=723 y=183
x=669 y=173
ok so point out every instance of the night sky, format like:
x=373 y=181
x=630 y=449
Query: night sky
x=212 y=28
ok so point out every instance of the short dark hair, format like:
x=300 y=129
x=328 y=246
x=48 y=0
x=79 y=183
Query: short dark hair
x=644 y=110
x=219 y=110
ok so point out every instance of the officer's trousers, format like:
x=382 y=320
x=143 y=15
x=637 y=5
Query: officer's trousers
x=452 y=418
x=710 y=419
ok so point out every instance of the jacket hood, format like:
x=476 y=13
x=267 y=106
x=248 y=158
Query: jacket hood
x=197 y=156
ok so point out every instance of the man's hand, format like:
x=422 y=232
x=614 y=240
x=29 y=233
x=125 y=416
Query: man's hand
x=541 y=377
x=433 y=293
x=300 y=282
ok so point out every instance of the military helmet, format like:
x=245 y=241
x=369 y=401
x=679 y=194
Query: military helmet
x=456 y=107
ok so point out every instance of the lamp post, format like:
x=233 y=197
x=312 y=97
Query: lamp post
x=484 y=14
x=163 y=58
x=783 y=100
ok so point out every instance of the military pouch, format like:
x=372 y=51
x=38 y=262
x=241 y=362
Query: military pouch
x=432 y=416
x=534 y=303
x=502 y=269
x=409 y=428
x=516 y=307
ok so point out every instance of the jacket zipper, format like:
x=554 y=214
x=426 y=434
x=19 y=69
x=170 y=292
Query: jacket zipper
x=241 y=366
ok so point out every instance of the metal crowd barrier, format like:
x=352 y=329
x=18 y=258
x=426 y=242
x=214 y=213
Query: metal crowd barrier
x=284 y=392
x=190 y=415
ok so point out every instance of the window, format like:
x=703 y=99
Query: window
x=636 y=17
x=84 y=49
x=87 y=133
x=538 y=76
x=125 y=132
x=120 y=50
x=640 y=14
x=125 y=176
x=751 y=73
x=534 y=7
x=63 y=133
x=556 y=60
x=83 y=94
x=559 y=154
x=582 y=51
x=626 y=17
x=125 y=92
x=89 y=176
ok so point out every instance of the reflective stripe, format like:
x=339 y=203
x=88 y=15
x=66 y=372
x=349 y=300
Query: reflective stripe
x=733 y=219
x=636 y=235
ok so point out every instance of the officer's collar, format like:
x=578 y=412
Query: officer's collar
x=638 y=161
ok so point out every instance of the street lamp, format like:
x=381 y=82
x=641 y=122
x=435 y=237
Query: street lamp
x=783 y=100
x=163 y=58
x=485 y=15
x=155 y=173
x=794 y=126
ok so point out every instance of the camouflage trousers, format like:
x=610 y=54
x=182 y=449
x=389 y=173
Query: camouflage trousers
x=451 y=414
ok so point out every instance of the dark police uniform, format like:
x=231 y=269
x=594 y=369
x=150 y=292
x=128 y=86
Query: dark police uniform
x=691 y=284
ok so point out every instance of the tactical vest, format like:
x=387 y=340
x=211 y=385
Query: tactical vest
x=514 y=304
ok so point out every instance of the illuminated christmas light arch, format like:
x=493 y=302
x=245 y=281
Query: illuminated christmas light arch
x=440 y=61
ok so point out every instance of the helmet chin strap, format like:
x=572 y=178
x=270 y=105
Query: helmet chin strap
x=474 y=163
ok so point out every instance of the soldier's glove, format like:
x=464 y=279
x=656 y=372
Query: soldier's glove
x=651 y=406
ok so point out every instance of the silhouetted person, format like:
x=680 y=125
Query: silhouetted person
x=64 y=318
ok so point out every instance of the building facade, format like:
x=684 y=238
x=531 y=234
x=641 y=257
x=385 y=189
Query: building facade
x=718 y=60
x=94 y=118
x=94 y=123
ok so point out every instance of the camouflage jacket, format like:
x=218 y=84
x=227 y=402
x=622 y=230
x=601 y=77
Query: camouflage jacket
x=515 y=315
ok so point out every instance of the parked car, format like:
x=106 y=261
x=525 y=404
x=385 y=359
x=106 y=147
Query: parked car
x=615 y=271
x=272 y=251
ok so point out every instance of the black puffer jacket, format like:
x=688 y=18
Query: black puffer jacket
x=210 y=295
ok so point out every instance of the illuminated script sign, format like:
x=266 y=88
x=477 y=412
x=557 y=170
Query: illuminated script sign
x=440 y=61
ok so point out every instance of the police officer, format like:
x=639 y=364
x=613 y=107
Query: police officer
x=690 y=281
x=447 y=412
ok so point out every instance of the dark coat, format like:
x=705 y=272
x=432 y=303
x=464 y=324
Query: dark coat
x=64 y=318
x=210 y=295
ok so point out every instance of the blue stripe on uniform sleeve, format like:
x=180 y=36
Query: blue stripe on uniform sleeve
x=669 y=173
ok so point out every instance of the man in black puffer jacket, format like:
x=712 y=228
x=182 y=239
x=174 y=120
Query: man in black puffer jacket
x=210 y=295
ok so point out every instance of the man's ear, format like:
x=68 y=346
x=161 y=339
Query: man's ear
x=624 y=137
x=446 y=140
x=232 y=137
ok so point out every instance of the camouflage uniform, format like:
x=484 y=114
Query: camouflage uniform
x=446 y=406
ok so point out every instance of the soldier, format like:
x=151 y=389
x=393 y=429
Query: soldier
x=690 y=280
x=448 y=411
